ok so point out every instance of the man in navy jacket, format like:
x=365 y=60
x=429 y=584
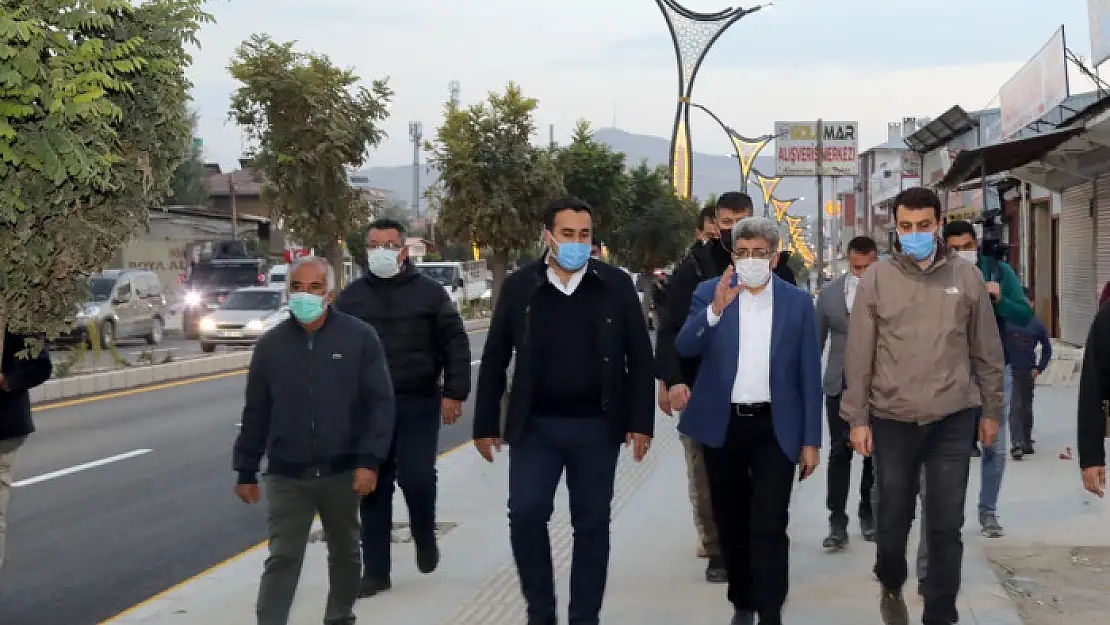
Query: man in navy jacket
x=756 y=406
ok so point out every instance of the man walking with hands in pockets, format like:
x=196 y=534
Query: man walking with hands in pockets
x=319 y=406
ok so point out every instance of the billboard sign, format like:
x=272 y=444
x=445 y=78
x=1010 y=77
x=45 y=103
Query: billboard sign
x=1098 y=15
x=1038 y=87
x=796 y=148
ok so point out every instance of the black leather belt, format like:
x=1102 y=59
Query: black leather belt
x=752 y=410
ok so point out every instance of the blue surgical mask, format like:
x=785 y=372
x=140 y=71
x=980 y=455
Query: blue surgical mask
x=306 y=307
x=382 y=262
x=573 y=256
x=918 y=245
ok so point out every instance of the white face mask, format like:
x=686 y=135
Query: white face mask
x=853 y=280
x=753 y=272
x=382 y=262
x=971 y=256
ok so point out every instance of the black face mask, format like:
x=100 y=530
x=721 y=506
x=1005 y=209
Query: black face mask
x=721 y=252
x=725 y=240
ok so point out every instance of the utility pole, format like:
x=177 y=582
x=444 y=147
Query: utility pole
x=234 y=209
x=820 y=157
x=551 y=135
x=416 y=135
x=453 y=93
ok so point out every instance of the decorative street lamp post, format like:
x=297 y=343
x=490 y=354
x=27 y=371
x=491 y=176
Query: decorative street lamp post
x=692 y=34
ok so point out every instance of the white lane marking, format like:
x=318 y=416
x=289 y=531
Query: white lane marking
x=81 y=467
x=475 y=363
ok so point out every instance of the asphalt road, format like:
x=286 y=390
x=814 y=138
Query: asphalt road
x=87 y=544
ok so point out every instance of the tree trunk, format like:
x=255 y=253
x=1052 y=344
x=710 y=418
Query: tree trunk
x=499 y=265
x=334 y=255
x=3 y=331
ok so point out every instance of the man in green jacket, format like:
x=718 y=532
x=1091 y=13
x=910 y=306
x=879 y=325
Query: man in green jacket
x=1008 y=298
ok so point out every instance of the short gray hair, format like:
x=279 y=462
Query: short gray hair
x=308 y=260
x=764 y=228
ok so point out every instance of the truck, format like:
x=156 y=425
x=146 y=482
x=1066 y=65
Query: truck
x=464 y=281
x=217 y=268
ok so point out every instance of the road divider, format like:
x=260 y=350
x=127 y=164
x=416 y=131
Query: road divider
x=138 y=376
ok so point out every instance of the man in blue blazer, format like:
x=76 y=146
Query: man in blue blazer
x=756 y=407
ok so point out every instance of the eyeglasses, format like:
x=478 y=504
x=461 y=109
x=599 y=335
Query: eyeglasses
x=393 y=247
x=743 y=254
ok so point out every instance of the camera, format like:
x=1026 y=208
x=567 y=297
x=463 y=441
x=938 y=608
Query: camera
x=992 y=244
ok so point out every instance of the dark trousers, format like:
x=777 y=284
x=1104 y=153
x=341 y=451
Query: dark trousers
x=750 y=479
x=901 y=450
x=291 y=504
x=586 y=449
x=1021 y=407
x=412 y=465
x=840 y=468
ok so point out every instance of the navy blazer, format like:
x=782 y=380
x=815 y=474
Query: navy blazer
x=796 y=396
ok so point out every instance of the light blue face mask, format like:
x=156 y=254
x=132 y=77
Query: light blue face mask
x=306 y=307
x=918 y=245
x=573 y=256
x=382 y=262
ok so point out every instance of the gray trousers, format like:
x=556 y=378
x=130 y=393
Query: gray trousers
x=698 y=484
x=292 y=506
x=8 y=449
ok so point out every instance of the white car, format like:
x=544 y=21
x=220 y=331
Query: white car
x=244 y=317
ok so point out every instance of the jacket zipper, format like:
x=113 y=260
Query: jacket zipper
x=312 y=405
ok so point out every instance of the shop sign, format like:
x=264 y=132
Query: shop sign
x=796 y=148
x=1038 y=87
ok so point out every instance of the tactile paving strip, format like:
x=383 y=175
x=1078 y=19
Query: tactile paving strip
x=498 y=600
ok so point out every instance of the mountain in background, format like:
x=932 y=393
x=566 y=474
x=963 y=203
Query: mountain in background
x=713 y=174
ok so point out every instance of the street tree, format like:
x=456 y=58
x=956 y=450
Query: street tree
x=310 y=122
x=493 y=183
x=93 y=123
x=189 y=185
x=595 y=173
x=658 y=229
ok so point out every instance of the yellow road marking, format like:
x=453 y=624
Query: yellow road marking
x=135 y=391
x=222 y=564
x=154 y=387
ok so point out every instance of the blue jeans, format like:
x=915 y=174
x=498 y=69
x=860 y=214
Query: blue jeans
x=992 y=466
x=412 y=464
x=586 y=449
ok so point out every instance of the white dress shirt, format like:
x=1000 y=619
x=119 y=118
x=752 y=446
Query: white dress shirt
x=850 y=287
x=753 y=360
x=571 y=285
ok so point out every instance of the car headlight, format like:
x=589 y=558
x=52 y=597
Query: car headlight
x=192 y=298
x=207 y=325
x=256 y=325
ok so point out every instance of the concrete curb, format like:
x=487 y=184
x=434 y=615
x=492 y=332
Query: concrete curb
x=475 y=325
x=132 y=377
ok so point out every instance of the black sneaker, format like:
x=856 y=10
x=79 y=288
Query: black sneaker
x=1017 y=452
x=535 y=620
x=1027 y=449
x=837 y=540
x=867 y=528
x=371 y=586
x=427 y=557
x=715 y=572
x=892 y=608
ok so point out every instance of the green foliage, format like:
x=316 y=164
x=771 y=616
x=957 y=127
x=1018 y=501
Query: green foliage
x=801 y=272
x=710 y=202
x=93 y=123
x=595 y=173
x=660 y=224
x=493 y=183
x=188 y=187
x=311 y=124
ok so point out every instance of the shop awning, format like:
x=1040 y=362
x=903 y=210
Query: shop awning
x=1000 y=157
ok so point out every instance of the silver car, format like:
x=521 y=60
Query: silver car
x=244 y=317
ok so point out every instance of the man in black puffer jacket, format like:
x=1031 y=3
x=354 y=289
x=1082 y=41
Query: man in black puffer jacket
x=424 y=338
x=17 y=377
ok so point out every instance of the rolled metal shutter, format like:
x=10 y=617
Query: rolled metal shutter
x=1102 y=241
x=1077 y=264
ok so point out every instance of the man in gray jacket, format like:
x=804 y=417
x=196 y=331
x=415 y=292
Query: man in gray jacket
x=319 y=406
x=834 y=306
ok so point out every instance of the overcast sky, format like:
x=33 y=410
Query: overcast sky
x=603 y=60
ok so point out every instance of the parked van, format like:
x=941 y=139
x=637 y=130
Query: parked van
x=123 y=304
